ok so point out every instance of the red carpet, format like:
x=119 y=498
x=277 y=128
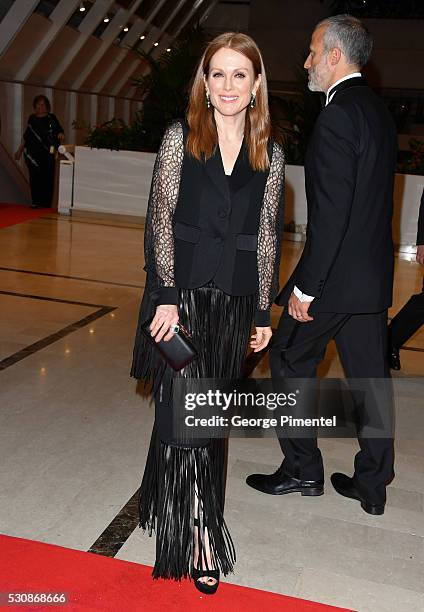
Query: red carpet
x=94 y=582
x=11 y=214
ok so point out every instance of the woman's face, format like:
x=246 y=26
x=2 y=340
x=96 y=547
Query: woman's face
x=231 y=81
x=40 y=108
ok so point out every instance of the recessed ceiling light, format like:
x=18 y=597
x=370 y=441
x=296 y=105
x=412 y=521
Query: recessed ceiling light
x=169 y=50
x=106 y=19
x=142 y=37
x=156 y=44
x=82 y=7
x=126 y=29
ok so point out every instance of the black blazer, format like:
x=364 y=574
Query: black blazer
x=226 y=229
x=347 y=261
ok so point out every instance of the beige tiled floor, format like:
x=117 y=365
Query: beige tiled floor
x=74 y=432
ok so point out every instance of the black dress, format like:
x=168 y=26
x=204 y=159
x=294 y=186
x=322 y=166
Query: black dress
x=41 y=143
x=183 y=478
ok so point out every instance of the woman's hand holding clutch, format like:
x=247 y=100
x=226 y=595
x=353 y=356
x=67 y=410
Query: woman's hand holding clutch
x=165 y=318
x=261 y=338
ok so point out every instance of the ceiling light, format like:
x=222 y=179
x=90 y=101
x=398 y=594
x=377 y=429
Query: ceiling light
x=106 y=19
x=156 y=44
x=142 y=37
x=169 y=50
x=126 y=29
x=82 y=7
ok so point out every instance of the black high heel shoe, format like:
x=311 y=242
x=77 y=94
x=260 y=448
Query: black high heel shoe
x=196 y=574
x=204 y=587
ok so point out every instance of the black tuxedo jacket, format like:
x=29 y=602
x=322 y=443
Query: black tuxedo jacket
x=347 y=261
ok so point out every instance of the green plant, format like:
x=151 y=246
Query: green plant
x=165 y=95
x=166 y=87
x=114 y=134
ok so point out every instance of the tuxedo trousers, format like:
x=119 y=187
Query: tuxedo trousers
x=361 y=341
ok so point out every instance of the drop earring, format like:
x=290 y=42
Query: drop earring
x=208 y=100
x=253 y=100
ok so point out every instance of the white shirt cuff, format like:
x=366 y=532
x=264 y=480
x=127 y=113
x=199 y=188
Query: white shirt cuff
x=302 y=296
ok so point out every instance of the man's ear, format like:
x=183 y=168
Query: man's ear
x=335 y=56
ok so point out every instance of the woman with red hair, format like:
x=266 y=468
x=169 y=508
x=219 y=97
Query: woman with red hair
x=212 y=254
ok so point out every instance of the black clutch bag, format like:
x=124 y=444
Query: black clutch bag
x=179 y=351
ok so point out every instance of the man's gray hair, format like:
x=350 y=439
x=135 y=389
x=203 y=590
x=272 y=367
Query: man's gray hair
x=350 y=35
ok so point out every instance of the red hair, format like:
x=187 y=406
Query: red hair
x=203 y=137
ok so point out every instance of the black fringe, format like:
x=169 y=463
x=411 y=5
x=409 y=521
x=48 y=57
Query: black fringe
x=220 y=325
x=183 y=481
x=178 y=484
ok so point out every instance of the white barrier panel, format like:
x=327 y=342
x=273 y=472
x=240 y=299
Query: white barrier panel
x=66 y=171
x=407 y=197
x=406 y=203
x=112 y=181
x=119 y=182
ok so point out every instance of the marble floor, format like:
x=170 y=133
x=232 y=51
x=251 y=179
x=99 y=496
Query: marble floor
x=74 y=430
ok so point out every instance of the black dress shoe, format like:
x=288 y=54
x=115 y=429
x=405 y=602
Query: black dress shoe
x=280 y=483
x=394 y=359
x=346 y=487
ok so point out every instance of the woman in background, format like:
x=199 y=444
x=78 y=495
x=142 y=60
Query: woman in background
x=39 y=145
x=212 y=254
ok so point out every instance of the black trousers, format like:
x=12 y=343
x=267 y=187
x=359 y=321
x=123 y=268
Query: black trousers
x=361 y=341
x=408 y=320
x=41 y=181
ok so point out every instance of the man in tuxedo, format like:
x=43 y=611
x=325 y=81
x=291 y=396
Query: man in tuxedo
x=411 y=317
x=342 y=285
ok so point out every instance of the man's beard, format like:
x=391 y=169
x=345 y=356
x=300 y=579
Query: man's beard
x=318 y=77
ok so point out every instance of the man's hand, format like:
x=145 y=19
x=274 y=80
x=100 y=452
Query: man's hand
x=420 y=254
x=299 y=310
x=165 y=318
x=261 y=338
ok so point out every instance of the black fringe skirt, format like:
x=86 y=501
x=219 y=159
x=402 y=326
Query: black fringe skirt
x=183 y=481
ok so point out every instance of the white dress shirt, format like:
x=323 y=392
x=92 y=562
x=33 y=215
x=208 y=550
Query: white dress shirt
x=330 y=93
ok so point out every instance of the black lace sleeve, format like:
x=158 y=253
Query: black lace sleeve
x=158 y=237
x=269 y=237
x=147 y=364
